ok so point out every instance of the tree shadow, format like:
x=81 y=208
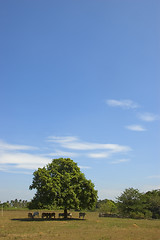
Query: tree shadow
x=47 y=219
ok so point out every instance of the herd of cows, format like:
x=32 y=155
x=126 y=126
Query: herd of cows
x=50 y=215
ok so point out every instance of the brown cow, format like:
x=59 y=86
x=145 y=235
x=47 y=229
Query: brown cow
x=30 y=215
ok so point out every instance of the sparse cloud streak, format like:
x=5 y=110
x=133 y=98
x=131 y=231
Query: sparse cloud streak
x=136 y=128
x=14 y=147
x=14 y=156
x=99 y=155
x=148 y=117
x=62 y=154
x=125 y=104
x=62 y=139
x=22 y=160
x=75 y=144
x=119 y=161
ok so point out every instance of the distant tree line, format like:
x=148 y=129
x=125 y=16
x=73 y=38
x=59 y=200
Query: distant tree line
x=15 y=204
x=133 y=204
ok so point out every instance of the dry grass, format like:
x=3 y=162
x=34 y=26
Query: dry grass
x=16 y=225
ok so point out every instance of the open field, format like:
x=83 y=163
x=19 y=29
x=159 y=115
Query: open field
x=16 y=225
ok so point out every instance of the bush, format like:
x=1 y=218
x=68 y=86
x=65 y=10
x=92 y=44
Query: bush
x=137 y=215
x=108 y=207
x=147 y=214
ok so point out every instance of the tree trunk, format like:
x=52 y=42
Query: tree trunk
x=65 y=213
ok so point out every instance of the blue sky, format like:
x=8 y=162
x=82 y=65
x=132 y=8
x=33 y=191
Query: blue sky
x=80 y=79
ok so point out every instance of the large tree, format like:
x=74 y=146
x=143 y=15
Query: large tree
x=130 y=202
x=152 y=199
x=61 y=183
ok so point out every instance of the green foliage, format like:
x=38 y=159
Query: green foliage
x=107 y=206
x=130 y=202
x=15 y=204
x=137 y=215
x=134 y=204
x=148 y=214
x=62 y=184
x=153 y=202
x=5 y=205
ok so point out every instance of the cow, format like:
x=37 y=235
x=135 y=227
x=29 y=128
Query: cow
x=52 y=215
x=44 y=215
x=82 y=215
x=48 y=215
x=62 y=215
x=35 y=214
x=69 y=215
x=30 y=215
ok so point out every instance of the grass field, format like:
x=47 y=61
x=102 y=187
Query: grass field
x=16 y=225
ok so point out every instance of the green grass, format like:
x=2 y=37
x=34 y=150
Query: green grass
x=16 y=225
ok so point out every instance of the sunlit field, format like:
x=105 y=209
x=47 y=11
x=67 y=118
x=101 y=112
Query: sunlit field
x=17 y=225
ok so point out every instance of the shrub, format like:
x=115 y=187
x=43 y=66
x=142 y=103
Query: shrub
x=137 y=215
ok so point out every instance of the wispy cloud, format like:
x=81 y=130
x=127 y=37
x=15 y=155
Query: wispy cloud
x=99 y=155
x=120 y=161
x=76 y=144
x=62 y=139
x=125 y=104
x=148 y=117
x=137 y=128
x=15 y=158
x=23 y=160
x=62 y=154
x=14 y=147
x=11 y=169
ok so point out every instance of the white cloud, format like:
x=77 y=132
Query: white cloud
x=99 y=155
x=2 y=167
x=137 y=128
x=13 y=170
x=14 y=156
x=95 y=146
x=23 y=160
x=148 y=117
x=62 y=154
x=76 y=144
x=62 y=139
x=14 y=147
x=120 y=161
x=125 y=104
x=20 y=157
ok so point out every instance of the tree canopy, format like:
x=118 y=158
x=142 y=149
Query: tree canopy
x=62 y=184
x=107 y=206
x=153 y=202
x=130 y=201
x=134 y=204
